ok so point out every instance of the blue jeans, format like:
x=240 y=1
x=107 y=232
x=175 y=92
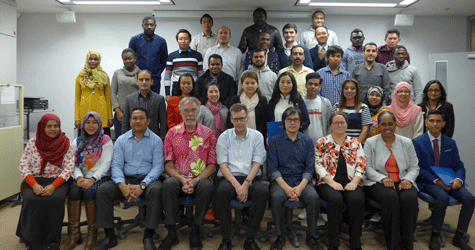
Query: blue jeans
x=442 y=202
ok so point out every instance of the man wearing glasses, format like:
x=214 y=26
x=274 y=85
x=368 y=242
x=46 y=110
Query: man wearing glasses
x=240 y=153
x=291 y=164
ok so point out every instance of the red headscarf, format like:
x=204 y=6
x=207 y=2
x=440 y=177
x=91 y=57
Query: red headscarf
x=405 y=113
x=51 y=150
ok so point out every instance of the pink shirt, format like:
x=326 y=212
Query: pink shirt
x=30 y=163
x=190 y=153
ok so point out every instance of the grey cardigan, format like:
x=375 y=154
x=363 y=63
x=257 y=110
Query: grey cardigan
x=377 y=155
x=123 y=83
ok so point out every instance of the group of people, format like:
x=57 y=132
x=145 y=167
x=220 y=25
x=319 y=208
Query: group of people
x=209 y=138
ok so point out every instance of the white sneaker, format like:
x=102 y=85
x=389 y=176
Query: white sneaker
x=303 y=215
x=376 y=218
x=323 y=217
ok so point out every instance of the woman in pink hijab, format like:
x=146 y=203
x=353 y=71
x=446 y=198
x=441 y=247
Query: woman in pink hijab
x=409 y=118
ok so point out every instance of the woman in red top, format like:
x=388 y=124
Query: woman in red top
x=187 y=89
x=46 y=165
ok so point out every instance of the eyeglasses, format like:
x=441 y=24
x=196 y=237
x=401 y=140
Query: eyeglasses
x=239 y=119
x=403 y=92
x=433 y=91
x=294 y=120
x=339 y=123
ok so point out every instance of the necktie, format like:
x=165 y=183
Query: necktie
x=436 y=152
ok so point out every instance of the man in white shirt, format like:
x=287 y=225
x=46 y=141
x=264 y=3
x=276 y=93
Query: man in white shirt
x=233 y=59
x=206 y=39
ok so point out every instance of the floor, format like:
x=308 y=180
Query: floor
x=373 y=240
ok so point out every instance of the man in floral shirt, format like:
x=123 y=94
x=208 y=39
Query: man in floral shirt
x=190 y=159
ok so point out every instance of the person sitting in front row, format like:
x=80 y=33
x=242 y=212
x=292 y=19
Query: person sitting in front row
x=291 y=164
x=190 y=159
x=136 y=166
x=340 y=166
x=240 y=152
x=435 y=149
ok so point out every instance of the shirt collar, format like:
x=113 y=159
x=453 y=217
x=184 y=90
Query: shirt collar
x=295 y=43
x=431 y=137
x=181 y=51
x=284 y=98
x=236 y=136
x=182 y=130
x=299 y=135
x=211 y=35
x=146 y=134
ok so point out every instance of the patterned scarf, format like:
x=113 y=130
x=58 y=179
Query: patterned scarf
x=218 y=118
x=374 y=109
x=51 y=150
x=90 y=146
x=94 y=78
x=405 y=112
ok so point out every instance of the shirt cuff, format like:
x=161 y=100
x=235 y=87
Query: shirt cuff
x=276 y=175
x=307 y=176
x=30 y=180
x=435 y=180
x=58 y=182
x=459 y=180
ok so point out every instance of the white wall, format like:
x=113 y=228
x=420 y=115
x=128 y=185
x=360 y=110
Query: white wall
x=50 y=55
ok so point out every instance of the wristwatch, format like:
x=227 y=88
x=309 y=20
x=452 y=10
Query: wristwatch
x=143 y=186
x=250 y=182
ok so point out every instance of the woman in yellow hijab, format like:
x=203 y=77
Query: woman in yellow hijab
x=93 y=92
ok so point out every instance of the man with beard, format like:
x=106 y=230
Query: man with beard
x=370 y=73
x=290 y=34
x=354 y=53
x=266 y=77
x=151 y=50
x=272 y=57
x=297 y=55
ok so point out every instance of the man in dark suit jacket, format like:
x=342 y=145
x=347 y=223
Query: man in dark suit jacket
x=151 y=101
x=435 y=149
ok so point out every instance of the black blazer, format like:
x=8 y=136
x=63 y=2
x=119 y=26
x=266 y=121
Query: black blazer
x=260 y=110
x=447 y=109
x=157 y=112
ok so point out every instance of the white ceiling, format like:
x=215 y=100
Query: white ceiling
x=421 y=8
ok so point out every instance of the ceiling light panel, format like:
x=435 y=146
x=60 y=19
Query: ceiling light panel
x=116 y=2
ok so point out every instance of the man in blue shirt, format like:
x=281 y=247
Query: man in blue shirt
x=151 y=51
x=291 y=164
x=136 y=166
x=240 y=153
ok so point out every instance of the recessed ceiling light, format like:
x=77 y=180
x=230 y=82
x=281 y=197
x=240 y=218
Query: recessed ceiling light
x=407 y=2
x=367 y=5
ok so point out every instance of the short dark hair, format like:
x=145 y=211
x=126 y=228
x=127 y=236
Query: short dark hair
x=145 y=19
x=386 y=113
x=318 y=11
x=183 y=31
x=208 y=16
x=391 y=31
x=330 y=121
x=238 y=107
x=144 y=70
x=215 y=56
x=296 y=46
x=313 y=75
x=290 y=111
x=370 y=44
x=321 y=27
x=398 y=47
x=356 y=31
x=141 y=109
x=332 y=50
x=128 y=50
x=192 y=93
x=259 y=50
x=289 y=26
x=435 y=112
x=262 y=10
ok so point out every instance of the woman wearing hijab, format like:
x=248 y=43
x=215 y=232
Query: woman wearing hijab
x=409 y=119
x=45 y=166
x=375 y=101
x=94 y=151
x=93 y=92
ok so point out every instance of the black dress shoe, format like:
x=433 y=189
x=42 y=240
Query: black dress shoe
x=105 y=244
x=195 y=242
x=225 y=245
x=313 y=243
x=434 y=243
x=168 y=242
x=461 y=243
x=148 y=244
x=250 y=244
x=278 y=244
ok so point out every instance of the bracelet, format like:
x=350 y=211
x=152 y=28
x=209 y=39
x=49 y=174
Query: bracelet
x=250 y=182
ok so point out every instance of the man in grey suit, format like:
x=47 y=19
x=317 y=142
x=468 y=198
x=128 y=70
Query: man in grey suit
x=149 y=100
